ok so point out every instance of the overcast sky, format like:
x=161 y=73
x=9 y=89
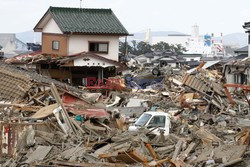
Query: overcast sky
x=216 y=16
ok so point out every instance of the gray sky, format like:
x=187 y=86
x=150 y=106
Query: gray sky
x=216 y=16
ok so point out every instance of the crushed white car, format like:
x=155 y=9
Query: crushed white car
x=153 y=120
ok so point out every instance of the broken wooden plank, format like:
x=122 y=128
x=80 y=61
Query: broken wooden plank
x=151 y=151
x=45 y=111
x=185 y=153
x=23 y=107
x=177 y=149
x=78 y=126
x=231 y=162
x=103 y=164
x=228 y=152
x=132 y=157
x=39 y=154
x=60 y=103
x=207 y=137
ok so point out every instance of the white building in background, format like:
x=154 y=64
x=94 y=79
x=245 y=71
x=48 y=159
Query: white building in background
x=194 y=43
x=172 y=39
x=11 y=46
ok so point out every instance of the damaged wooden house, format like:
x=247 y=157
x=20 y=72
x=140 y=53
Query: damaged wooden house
x=238 y=70
x=78 y=44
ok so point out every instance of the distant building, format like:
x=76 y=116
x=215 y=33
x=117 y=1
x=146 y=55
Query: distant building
x=194 y=43
x=191 y=57
x=190 y=60
x=242 y=51
x=167 y=61
x=172 y=39
x=162 y=58
x=11 y=45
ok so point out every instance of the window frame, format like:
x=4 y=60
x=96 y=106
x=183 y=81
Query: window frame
x=99 y=42
x=58 y=45
x=237 y=79
x=153 y=117
x=141 y=120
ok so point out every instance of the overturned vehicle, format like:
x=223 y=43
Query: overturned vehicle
x=149 y=76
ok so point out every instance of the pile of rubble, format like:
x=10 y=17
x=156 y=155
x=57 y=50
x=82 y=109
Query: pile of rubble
x=44 y=122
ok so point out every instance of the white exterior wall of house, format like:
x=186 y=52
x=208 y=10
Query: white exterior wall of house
x=80 y=43
x=91 y=62
x=229 y=79
x=52 y=27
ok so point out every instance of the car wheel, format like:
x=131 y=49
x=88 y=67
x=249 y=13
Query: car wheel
x=156 y=71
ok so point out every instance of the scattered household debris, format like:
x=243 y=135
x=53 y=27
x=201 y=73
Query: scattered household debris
x=183 y=120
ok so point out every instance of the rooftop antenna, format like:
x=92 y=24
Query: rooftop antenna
x=80 y=4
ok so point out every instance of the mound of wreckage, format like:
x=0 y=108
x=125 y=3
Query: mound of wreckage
x=44 y=122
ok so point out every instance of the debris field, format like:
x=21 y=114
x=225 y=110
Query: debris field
x=45 y=122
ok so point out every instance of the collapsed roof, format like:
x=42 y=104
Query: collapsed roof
x=16 y=82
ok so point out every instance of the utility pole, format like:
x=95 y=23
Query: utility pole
x=80 y=4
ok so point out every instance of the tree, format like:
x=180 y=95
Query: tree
x=143 y=47
x=179 y=49
x=123 y=46
x=161 y=46
x=134 y=44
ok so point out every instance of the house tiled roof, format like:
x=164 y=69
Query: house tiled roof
x=243 y=49
x=190 y=55
x=87 y=21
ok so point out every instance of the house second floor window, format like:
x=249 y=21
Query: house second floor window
x=55 y=45
x=98 y=47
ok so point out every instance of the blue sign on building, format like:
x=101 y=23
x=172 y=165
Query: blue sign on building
x=207 y=40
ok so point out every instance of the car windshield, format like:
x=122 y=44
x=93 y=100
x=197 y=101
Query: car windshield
x=157 y=121
x=143 y=120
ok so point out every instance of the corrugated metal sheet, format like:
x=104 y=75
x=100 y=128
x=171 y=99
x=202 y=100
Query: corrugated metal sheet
x=80 y=107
